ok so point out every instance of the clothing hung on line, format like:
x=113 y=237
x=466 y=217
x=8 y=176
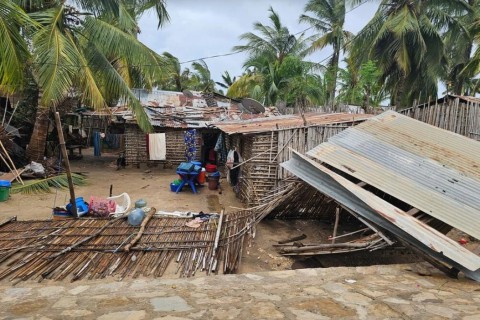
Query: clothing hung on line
x=233 y=160
x=221 y=149
x=97 y=144
x=157 y=148
x=114 y=141
x=190 y=145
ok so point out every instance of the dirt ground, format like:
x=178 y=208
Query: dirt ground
x=152 y=184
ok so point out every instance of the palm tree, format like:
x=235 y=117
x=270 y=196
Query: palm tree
x=174 y=78
x=93 y=49
x=273 y=42
x=227 y=80
x=349 y=77
x=328 y=20
x=275 y=57
x=247 y=85
x=404 y=38
x=460 y=43
x=203 y=76
x=13 y=48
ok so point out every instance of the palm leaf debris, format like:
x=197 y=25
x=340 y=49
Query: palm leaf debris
x=41 y=186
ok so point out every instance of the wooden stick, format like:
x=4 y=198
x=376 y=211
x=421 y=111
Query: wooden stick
x=350 y=233
x=335 y=227
x=142 y=228
x=13 y=164
x=67 y=164
x=297 y=238
x=258 y=155
x=326 y=246
x=8 y=220
x=73 y=246
x=217 y=235
x=285 y=144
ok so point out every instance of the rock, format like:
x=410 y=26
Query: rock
x=170 y=304
x=76 y=313
x=124 y=315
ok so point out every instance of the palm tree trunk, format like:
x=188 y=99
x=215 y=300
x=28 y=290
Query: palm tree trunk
x=399 y=92
x=333 y=84
x=38 y=140
x=460 y=80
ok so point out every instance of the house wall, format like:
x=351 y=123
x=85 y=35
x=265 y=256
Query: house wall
x=136 y=146
x=263 y=173
x=456 y=115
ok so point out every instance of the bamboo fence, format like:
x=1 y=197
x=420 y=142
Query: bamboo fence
x=456 y=114
x=99 y=248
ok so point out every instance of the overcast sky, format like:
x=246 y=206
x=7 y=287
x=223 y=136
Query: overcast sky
x=212 y=27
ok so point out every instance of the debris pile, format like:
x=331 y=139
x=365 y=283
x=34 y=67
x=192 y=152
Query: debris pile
x=408 y=181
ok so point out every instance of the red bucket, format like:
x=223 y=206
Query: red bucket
x=211 y=168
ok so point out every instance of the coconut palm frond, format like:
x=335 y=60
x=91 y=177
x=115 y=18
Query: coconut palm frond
x=44 y=185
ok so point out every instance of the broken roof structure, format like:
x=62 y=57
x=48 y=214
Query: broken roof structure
x=191 y=109
x=424 y=168
x=285 y=122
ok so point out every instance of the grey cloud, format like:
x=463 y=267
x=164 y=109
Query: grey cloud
x=211 y=27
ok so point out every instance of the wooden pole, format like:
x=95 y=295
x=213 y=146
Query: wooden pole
x=217 y=235
x=142 y=229
x=337 y=218
x=14 y=170
x=67 y=163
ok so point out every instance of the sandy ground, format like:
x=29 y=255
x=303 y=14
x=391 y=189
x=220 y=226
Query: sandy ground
x=151 y=184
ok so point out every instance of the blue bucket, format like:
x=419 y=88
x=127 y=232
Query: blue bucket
x=82 y=206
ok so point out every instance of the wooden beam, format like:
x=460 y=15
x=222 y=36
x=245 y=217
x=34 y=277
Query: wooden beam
x=335 y=227
x=413 y=211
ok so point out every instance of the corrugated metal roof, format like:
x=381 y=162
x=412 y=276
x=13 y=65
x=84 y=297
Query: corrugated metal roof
x=385 y=215
x=287 y=122
x=175 y=110
x=431 y=169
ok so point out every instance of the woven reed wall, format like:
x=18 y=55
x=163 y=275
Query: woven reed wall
x=259 y=175
x=267 y=150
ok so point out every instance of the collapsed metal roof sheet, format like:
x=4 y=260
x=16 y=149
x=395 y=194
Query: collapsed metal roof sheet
x=385 y=215
x=431 y=169
x=288 y=121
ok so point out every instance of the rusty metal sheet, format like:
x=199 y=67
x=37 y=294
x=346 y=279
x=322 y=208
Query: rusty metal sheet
x=288 y=121
x=406 y=159
x=445 y=147
x=385 y=215
x=174 y=110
